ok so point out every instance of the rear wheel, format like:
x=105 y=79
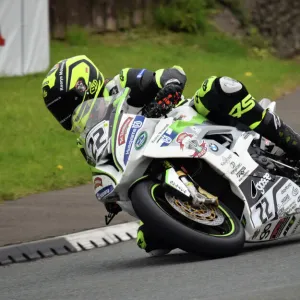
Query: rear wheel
x=207 y=230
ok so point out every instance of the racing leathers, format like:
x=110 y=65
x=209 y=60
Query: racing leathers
x=164 y=86
x=226 y=101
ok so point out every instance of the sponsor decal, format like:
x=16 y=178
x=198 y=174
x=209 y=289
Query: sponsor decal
x=245 y=135
x=97 y=182
x=199 y=148
x=123 y=131
x=232 y=165
x=104 y=192
x=284 y=190
x=278 y=228
x=182 y=139
x=141 y=140
x=136 y=125
x=235 y=167
x=61 y=78
x=167 y=138
x=263 y=183
x=158 y=136
x=242 y=173
x=285 y=199
x=295 y=191
x=213 y=147
x=226 y=160
x=93 y=86
x=2 y=40
x=288 y=227
x=290 y=209
x=178 y=187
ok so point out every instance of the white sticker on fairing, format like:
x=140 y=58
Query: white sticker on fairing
x=103 y=186
x=96 y=141
x=173 y=180
x=288 y=199
x=276 y=229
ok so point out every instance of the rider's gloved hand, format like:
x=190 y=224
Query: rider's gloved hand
x=169 y=96
x=113 y=207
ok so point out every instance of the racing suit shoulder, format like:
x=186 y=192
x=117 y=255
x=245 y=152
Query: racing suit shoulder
x=145 y=84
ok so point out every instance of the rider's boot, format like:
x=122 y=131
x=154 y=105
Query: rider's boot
x=150 y=243
x=274 y=129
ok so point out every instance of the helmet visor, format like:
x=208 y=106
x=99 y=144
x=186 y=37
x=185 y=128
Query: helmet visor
x=91 y=112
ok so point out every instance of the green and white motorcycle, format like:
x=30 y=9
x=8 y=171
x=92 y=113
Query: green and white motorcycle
x=205 y=188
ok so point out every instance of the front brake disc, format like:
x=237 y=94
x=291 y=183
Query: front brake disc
x=205 y=214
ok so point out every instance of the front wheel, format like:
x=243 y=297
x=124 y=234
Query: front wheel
x=214 y=233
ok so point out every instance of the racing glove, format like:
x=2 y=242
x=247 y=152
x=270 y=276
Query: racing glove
x=169 y=96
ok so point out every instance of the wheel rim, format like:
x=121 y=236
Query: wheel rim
x=224 y=229
x=205 y=214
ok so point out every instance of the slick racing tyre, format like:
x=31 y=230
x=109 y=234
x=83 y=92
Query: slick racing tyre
x=213 y=232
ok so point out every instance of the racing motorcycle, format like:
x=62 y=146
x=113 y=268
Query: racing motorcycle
x=205 y=188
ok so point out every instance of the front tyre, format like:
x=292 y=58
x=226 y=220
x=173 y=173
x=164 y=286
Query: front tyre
x=150 y=204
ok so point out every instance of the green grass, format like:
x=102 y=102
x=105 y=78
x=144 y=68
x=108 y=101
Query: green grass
x=32 y=142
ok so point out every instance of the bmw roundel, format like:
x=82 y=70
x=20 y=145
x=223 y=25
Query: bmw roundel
x=213 y=147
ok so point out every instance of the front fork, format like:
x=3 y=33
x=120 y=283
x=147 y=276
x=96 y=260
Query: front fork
x=197 y=195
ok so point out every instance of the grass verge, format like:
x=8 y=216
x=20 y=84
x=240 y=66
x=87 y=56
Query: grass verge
x=37 y=155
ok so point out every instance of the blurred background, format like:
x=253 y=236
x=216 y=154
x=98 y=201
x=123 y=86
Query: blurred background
x=255 y=41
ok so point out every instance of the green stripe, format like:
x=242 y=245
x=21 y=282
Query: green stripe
x=231 y=222
x=123 y=77
x=158 y=75
x=119 y=102
x=255 y=124
x=201 y=109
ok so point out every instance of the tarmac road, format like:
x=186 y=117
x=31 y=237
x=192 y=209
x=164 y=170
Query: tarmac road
x=123 y=271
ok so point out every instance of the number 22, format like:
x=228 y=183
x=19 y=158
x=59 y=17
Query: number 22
x=264 y=211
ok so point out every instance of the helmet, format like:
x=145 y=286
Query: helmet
x=68 y=84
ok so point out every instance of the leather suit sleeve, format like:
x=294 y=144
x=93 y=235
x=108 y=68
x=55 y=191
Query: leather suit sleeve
x=145 y=84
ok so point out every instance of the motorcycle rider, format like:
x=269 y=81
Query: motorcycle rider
x=73 y=81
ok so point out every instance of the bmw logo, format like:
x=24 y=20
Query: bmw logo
x=213 y=147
